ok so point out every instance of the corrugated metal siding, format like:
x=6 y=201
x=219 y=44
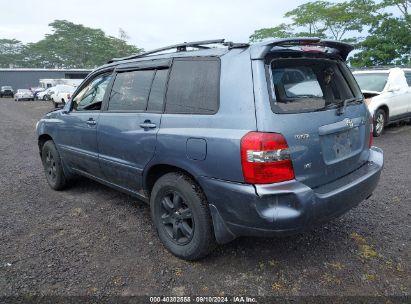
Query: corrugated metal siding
x=26 y=79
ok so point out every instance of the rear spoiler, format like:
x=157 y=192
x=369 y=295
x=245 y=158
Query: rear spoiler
x=260 y=50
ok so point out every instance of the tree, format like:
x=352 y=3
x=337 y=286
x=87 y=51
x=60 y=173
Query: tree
x=68 y=46
x=123 y=34
x=10 y=52
x=310 y=16
x=403 y=5
x=324 y=19
x=281 y=31
x=389 y=43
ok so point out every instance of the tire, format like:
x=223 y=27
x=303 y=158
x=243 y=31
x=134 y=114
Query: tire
x=180 y=213
x=380 y=120
x=55 y=104
x=52 y=166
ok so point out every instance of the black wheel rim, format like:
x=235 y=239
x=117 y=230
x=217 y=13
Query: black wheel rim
x=50 y=165
x=176 y=218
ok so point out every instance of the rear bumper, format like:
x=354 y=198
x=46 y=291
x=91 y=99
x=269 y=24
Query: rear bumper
x=288 y=207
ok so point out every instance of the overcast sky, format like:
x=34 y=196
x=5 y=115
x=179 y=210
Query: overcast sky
x=150 y=24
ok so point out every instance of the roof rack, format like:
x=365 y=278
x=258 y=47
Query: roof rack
x=182 y=47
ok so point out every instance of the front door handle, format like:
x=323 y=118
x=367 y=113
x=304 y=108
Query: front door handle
x=147 y=124
x=91 y=122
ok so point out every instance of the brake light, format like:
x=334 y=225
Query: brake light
x=265 y=158
x=371 y=122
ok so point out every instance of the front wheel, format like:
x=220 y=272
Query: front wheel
x=180 y=213
x=53 y=166
x=379 y=122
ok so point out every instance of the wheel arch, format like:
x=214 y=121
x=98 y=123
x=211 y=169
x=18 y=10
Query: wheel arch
x=42 y=140
x=153 y=173
x=386 y=110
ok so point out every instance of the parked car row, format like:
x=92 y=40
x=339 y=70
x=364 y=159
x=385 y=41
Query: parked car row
x=58 y=94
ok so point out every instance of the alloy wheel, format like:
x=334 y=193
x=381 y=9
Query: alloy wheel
x=380 y=120
x=50 y=165
x=177 y=218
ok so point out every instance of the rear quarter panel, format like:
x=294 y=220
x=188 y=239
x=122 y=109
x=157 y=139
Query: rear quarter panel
x=221 y=132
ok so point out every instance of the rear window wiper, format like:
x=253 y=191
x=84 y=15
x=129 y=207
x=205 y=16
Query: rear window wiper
x=342 y=105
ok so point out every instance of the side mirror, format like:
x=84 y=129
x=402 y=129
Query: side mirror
x=394 y=89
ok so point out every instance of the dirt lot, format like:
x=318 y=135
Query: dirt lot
x=91 y=240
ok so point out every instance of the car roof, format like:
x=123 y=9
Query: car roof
x=257 y=50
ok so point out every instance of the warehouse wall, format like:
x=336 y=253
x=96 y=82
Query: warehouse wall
x=24 y=79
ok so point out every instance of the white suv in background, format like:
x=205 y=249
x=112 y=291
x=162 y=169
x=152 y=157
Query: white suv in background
x=387 y=93
x=61 y=93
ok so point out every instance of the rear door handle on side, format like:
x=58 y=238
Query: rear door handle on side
x=91 y=122
x=147 y=124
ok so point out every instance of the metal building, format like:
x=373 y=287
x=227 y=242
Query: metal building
x=25 y=78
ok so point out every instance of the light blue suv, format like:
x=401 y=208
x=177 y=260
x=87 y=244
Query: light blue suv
x=222 y=139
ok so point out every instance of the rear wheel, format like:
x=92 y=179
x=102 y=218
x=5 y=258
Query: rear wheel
x=180 y=213
x=52 y=166
x=379 y=122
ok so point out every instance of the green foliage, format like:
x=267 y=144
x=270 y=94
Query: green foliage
x=281 y=31
x=310 y=15
x=72 y=46
x=324 y=19
x=388 y=40
x=10 y=52
x=388 y=43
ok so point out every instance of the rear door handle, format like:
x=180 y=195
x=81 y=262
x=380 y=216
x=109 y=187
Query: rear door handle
x=147 y=124
x=91 y=122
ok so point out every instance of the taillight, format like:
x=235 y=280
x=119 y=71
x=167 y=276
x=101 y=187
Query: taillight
x=265 y=158
x=371 y=122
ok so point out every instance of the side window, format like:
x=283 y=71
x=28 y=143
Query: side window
x=156 y=99
x=130 y=91
x=91 y=97
x=194 y=87
x=408 y=78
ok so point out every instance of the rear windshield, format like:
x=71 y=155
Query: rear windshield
x=305 y=85
x=372 y=81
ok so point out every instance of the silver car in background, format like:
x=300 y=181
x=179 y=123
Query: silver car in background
x=23 y=94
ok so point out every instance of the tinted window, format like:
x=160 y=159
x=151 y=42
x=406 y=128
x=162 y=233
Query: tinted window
x=130 y=91
x=193 y=87
x=304 y=85
x=91 y=96
x=156 y=99
x=408 y=78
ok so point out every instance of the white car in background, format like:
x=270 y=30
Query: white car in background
x=60 y=94
x=44 y=95
x=387 y=94
x=23 y=94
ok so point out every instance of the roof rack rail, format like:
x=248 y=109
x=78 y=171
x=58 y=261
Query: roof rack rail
x=181 y=47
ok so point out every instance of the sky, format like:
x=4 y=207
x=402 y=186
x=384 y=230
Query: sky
x=150 y=24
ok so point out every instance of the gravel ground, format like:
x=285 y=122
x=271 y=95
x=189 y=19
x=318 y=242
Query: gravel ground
x=91 y=240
